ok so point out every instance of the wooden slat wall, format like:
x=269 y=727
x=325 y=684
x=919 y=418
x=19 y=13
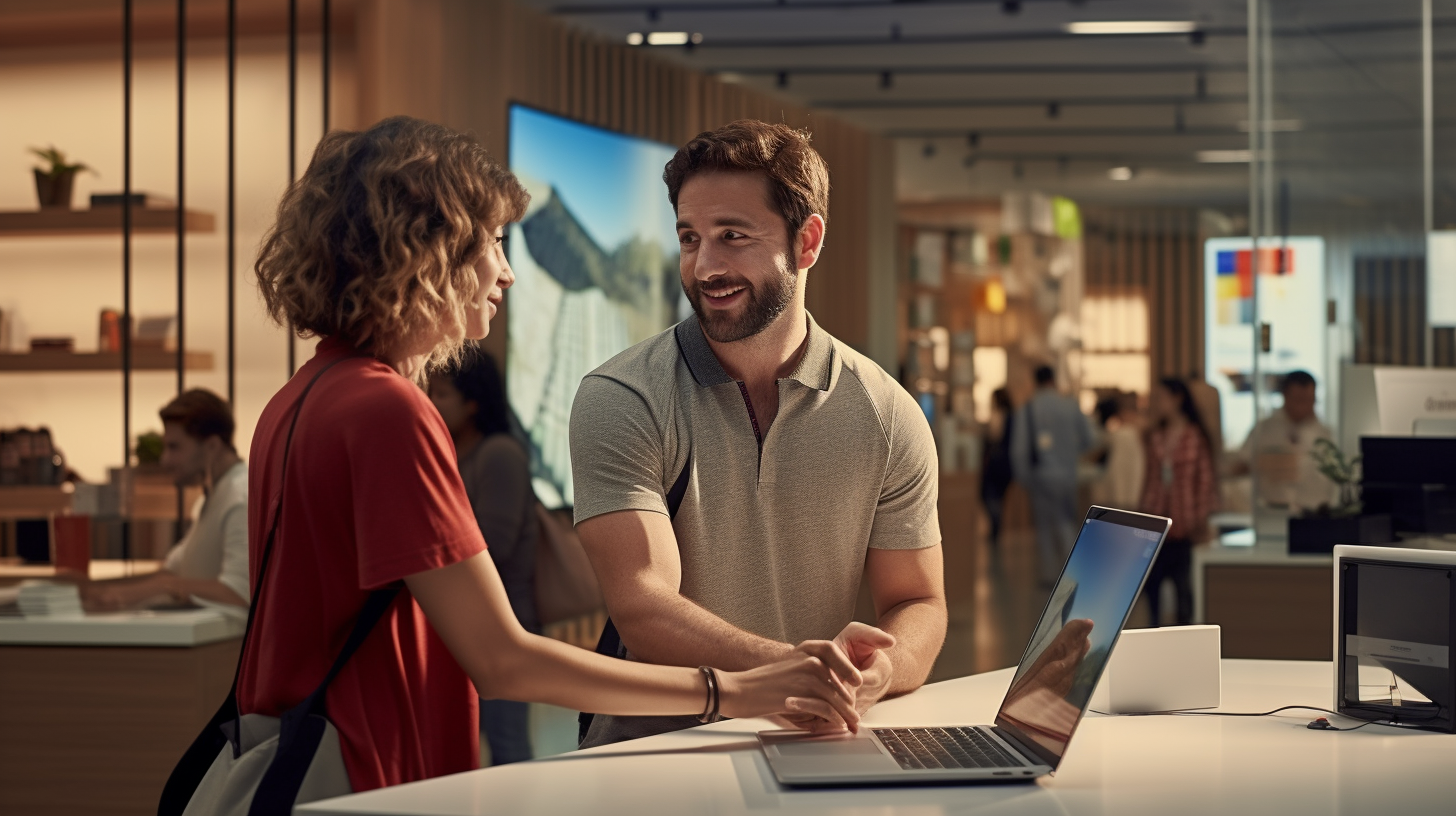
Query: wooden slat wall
x=494 y=52
x=1158 y=253
x=1390 y=308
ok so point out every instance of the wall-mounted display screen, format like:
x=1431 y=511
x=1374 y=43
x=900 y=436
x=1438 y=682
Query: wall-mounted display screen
x=596 y=263
x=1291 y=281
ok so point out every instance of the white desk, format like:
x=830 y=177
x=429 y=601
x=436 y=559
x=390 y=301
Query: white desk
x=1116 y=765
x=172 y=627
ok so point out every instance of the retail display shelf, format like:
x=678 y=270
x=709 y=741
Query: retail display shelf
x=141 y=360
x=99 y=221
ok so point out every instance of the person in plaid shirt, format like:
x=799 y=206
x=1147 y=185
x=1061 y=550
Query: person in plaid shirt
x=1181 y=484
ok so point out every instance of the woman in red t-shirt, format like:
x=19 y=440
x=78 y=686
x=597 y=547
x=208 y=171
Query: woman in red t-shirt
x=1179 y=482
x=389 y=248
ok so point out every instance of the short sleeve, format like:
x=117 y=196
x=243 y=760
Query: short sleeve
x=616 y=451
x=409 y=506
x=234 y=571
x=906 y=516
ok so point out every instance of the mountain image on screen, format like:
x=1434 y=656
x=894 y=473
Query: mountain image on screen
x=595 y=257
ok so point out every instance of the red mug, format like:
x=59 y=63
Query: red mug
x=72 y=537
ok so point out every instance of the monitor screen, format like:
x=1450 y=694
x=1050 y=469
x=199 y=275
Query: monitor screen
x=1072 y=641
x=596 y=263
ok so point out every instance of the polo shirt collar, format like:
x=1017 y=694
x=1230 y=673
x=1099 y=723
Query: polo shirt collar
x=815 y=370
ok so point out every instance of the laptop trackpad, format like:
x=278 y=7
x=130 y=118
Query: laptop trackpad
x=827 y=748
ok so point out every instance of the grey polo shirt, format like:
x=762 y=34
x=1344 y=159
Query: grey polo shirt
x=772 y=539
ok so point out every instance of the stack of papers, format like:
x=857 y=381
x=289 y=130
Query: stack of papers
x=43 y=599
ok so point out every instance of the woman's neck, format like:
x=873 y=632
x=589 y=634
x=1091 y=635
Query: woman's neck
x=466 y=439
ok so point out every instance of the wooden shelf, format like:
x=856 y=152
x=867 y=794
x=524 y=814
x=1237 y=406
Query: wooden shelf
x=34 y=501
x=99 y=221
x=148 y=360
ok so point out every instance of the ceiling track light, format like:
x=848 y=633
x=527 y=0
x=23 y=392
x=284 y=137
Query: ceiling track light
x=1120 y=174
x=1133 y=27
x=783 y=79
x=653 y=15
x=1197 y=37
x=973 y=139
x=1011 y=7
x=929 y=150
x=887 y=81
x=1054 y=110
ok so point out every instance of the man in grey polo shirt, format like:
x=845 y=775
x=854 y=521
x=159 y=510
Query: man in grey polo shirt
x=800 y=466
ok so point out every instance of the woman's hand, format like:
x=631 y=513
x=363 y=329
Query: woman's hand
x=819 y=681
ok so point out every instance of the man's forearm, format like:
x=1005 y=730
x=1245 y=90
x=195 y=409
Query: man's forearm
x=919 y=629
x=668 y=629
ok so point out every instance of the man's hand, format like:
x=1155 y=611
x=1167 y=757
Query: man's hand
x=865 y=646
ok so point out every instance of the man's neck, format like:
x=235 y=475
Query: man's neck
x=466 y=440
x=219 y=466
x=770 y=355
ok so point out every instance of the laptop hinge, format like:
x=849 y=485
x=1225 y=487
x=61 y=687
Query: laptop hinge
x=1028 y=755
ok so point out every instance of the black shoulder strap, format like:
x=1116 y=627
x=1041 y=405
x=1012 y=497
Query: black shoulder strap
x=610 y=643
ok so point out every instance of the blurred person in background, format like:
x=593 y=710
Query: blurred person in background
x=1125 y=466
x=1048 y=437
x=996 y=463
x=1181 y=484
x=494 y=466
x=209 y=566
x=1279 y=448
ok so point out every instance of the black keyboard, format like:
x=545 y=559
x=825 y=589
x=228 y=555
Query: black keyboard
x=916 y=748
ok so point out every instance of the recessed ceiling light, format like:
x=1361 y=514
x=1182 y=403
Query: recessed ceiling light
x=1225 y=156
x=668 y=38
x=1133 y=27
x=635 y=38
x=1120 y=174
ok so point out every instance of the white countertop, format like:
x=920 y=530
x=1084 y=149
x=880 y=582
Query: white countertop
x=1115 y=765
x=180 y=627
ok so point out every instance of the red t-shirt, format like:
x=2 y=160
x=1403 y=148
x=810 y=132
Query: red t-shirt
x=373 y=495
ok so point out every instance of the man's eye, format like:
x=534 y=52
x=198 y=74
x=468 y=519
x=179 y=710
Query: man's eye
x=686 y=238
x=730 y=235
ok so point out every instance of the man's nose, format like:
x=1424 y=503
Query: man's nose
x=708 y=262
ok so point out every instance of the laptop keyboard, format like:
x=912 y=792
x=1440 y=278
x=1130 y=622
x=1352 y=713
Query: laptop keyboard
x=916 y=748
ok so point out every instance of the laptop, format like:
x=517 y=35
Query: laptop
x=1049 y=693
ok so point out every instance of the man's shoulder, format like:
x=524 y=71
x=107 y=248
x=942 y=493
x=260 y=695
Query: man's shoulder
x=643 y=365
x=889 y=399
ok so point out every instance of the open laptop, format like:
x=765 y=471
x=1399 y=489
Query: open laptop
x=1048 y=696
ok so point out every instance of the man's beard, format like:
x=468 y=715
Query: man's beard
x=761 y=308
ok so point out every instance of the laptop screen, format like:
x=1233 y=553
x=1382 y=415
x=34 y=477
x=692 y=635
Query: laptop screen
x=1086 y=612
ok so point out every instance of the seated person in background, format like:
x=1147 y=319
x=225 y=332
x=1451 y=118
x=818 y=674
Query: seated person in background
x=1279 y=448
x=472 y=400
x=210 y=564
x=801 y=467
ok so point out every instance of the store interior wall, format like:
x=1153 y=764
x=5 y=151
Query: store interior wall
x=72 y=98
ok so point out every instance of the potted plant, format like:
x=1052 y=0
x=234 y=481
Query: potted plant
x=53 y=182
x=1319 y=530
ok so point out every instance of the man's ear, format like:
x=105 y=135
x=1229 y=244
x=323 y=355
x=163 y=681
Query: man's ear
x=810 y=241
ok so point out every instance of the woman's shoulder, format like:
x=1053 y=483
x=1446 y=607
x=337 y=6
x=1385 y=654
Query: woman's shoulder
x=501 y=451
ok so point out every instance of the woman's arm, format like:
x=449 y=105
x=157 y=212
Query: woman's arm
x=467 y=605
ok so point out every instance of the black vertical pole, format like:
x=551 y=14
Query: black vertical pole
x=232 y=197
x=126 y=69
x=326 y=51
x=292 y=130
x=181 y=225
x=181 y=197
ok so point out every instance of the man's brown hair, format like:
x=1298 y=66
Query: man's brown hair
x=201 y=414
x=797 y=175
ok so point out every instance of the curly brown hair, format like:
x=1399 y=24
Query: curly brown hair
x=797 y=174
x=375 y=243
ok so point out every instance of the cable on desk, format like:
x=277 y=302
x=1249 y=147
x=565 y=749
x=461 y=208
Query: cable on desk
x=1326 y=727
